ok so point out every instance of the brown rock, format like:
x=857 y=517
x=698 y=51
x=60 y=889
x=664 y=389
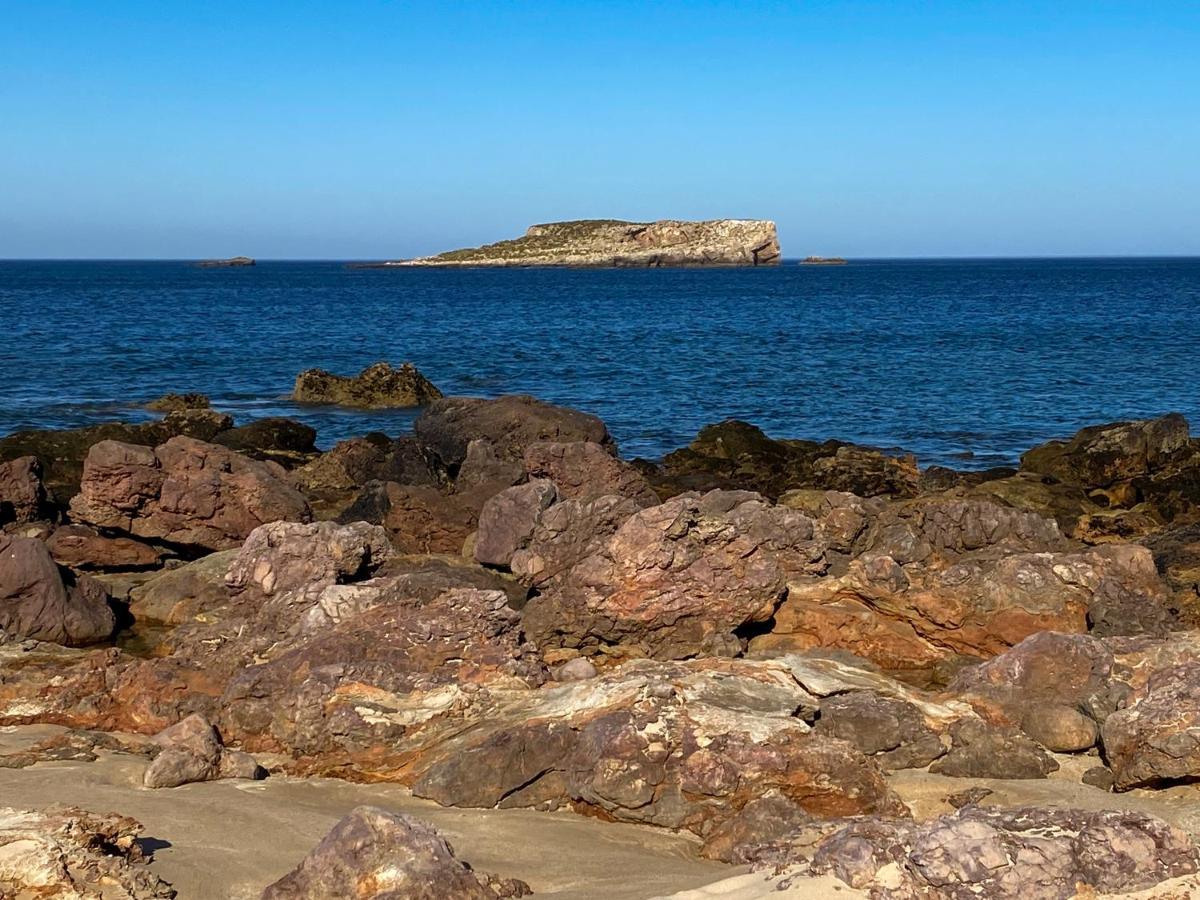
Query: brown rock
x=981 y=750
x=680 y=579
x=582 y=470
x=372 y=854
x=566 y=534
x=22 y=496
x=891 y=730
x=376 y=387
x=1101 y=455
x=419 y=518
x=185 y=492
x=1156 y=737
x=285 y=441
x=36 y=602
x=192 y=751
x=508 y=520
x=511 y=424
x=1061 y=729
x=81 y=547
x=169 y=403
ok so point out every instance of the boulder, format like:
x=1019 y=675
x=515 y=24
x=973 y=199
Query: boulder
x=61 y=453
x=582 y=470
x=36 y=602
x=567 y=533
x=334 y=479
x=511 y=424
x=80 y=547
x=176 y=595
x=981 y=750
x=376 y=387
x=1002 y=854
x=507 y=520
x=69 y=853
x=372 y=854
x=186 y=492
x=285 y=441
x=890 y=729
x=22 y=496
x=1102 y=455
x=1155 y=739
x=1061 y=729
x=419 y=518
x=679 y=579
x=192 y=751
x=169 y=403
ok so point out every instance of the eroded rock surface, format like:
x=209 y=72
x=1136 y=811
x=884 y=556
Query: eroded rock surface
x=39 y=601
x=376 y=387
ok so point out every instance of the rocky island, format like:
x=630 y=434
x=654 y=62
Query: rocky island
x=231 y=263
x=607 y=243
x=599 y=677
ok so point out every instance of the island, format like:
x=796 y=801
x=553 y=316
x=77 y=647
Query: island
x=822 y=261
x=615 y=243
x=231 y=263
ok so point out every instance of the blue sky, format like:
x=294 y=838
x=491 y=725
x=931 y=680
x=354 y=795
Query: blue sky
x=375 y=129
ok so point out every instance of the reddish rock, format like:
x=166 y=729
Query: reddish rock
x=22 y=496
x=418 y=518
x=372 y=854
x=36 y=603
x=680 y=579
x=1154 y=739
x=185 y=492
x=582 y=470
x=508 y=520
x=566 y=534
x=81 y=547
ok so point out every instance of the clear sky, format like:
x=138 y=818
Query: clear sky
x=352 y=130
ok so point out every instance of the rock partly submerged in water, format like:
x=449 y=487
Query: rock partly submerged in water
x=610 y=242
x=376 y=387
x=232 y=262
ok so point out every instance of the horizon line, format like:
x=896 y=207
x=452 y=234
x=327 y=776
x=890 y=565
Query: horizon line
x=784 y=259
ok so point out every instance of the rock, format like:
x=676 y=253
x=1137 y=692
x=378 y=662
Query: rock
x=510 y=424
x=582 y=470
x=376 y=387
x=419 y=518
x=980 y=750
x=231 y=263
x=372 y=854
x=1177 y=557
x=1067 y=504
x=177 y=595
x=192 y=751
x=887 y=728
x=36 y=602
x=333 y=480
x=679 y=579
x=1060 y=729
x=70 y=853
x=185 y=492
x=285 y=441
x=80 y=547
x=1013 y=854
x=1156 y=738
x=1098 y=777
x=1101 y=455
x=937 y=577
x=577 y=669
x=610 y=242
x=566 y=534
x=61 y=452
x=22 y=496
x=169 y=403
x=737 y=455
x=508 y=519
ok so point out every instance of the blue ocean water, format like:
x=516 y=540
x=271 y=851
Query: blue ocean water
x=964 y=362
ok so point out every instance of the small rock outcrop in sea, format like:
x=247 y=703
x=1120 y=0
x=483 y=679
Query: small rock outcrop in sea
x=823 y=261
x=232 y=262
x=375 y=387
x=611 y=243
x=168 y=403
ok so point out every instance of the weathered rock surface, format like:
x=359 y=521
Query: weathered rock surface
x=372 y=854
x=1156 y=737
x=510 y=424
x=285 y=441
x=981 y=750
x=1020 y=854
x=419 y=518
x=1101 y=455
x=890 y=729
x=36 y=602
x=185 y=492
x=508 y=520
x=680 y=579
x=74 y=855
x=934 y=578
x=80 y=547
x=610 y=242
x=582 y=470
x=376 y=387
x=172 y=402
x=192 y=751
x=176 y=595
x=61 y=452
x=567 y=533
x=333 y=480
x=22 y=495
x=738 y=456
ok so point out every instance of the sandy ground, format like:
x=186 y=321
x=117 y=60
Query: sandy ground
x=230 y=839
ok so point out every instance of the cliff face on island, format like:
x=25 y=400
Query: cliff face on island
x=610 y=242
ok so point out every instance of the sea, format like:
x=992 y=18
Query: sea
x=963 y=362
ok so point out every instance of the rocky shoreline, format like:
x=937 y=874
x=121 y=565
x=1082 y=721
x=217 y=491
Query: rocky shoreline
x=825 y=665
